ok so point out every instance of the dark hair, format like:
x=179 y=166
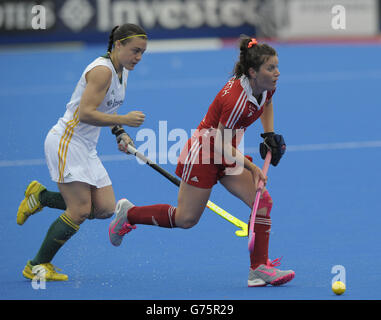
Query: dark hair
x=252 y=57
x=123 y=31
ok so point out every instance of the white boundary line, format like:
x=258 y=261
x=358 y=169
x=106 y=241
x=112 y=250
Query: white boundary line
x=251 y=150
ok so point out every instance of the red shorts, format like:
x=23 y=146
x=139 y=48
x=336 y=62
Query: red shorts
x=196 y=166
x=200 y=175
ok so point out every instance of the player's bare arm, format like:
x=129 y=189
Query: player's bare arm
x=98 y=82
x=267 y=117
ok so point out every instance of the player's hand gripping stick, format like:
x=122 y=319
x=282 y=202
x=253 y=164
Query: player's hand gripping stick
x=256 y=202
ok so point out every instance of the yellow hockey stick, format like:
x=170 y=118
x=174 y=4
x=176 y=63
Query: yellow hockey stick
x=216 y=209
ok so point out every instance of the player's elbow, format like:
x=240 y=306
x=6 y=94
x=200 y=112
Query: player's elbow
x=84 y=116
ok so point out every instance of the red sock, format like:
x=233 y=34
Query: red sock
x=162 y=215
x=262 y=229
x=261 y=245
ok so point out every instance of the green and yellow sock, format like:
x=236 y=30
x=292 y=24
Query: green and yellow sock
x=59 y=232
x=52 y=200
x=55 y=200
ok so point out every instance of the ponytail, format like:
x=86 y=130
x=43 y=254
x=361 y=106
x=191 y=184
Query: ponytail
x=111 y=40
x=252 y=55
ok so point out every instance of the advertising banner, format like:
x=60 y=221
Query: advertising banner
x=92 y=20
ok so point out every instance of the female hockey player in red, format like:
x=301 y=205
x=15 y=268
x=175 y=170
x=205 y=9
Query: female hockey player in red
x=211 y=155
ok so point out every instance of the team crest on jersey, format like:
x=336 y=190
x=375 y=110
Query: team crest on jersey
x=252 y=109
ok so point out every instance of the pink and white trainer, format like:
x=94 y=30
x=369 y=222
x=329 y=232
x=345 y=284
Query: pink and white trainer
x=266 y=274
x=120 y=225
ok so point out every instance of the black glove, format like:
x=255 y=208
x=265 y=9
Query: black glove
x=275 y=143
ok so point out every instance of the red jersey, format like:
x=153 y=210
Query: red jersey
x=235 y=106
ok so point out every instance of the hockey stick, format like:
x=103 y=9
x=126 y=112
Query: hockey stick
x=256 y=202
x=216 y=209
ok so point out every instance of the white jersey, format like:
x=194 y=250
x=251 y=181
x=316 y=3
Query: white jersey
x=70 y=146
x=69 y=125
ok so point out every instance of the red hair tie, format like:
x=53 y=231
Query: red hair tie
x=252 y=42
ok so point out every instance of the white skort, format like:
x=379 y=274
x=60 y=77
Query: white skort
x=72 y=160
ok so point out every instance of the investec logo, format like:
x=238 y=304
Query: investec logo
x=171 y=14
x=168 y=14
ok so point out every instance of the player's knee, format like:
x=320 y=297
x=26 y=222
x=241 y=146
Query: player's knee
x=102 y=215
x=265 y=205
x=82 y=216
x=189 y=223
x=79 y=213
x=102 y=212
x=186 y=222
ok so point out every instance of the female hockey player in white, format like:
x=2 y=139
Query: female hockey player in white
x=70 y=147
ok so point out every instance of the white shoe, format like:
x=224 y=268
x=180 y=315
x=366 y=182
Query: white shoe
x=120 y=225
x=266 y=274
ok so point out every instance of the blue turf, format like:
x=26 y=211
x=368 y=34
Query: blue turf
x=326 y=202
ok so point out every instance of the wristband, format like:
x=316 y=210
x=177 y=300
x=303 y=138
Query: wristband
x=267 y=134
x=117 y=130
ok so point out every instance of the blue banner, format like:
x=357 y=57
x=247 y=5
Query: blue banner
x=92 y=20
